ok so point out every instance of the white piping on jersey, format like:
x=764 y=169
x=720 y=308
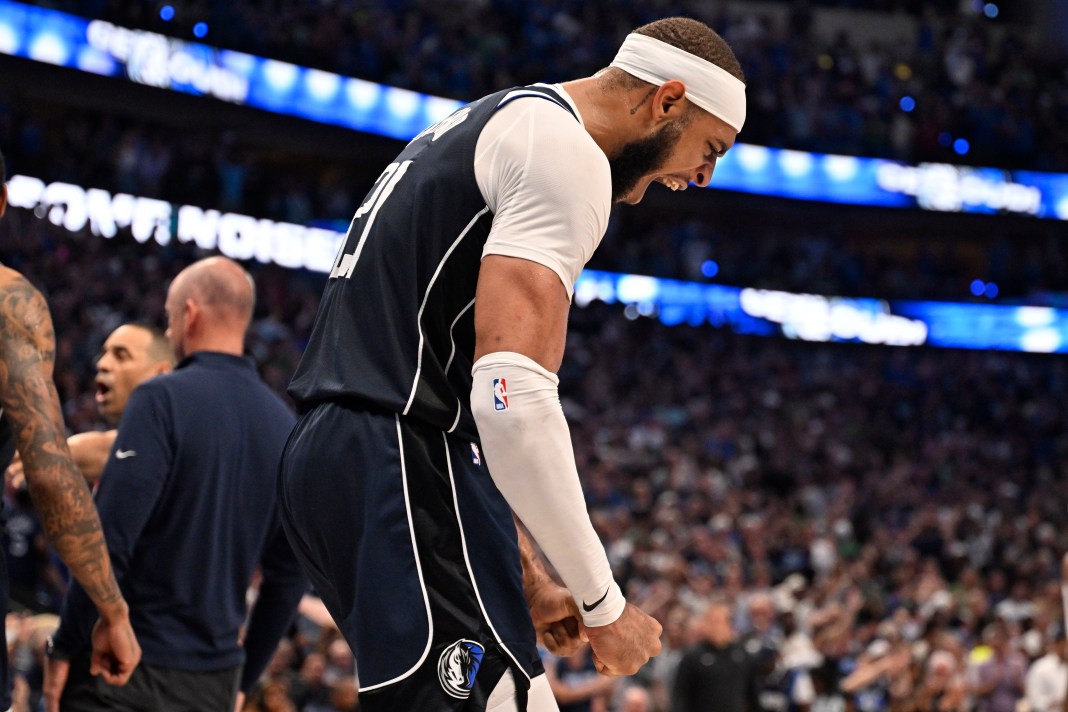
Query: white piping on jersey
x=559 y=96
x=452 y=353
x=426 y=296
x=467 y=559
x=456 y=420
x=521 y=93
x=418 y=569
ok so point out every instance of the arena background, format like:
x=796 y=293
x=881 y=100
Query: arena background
x=747 y=421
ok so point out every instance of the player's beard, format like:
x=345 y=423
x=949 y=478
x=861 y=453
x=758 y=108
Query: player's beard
x=641 y=158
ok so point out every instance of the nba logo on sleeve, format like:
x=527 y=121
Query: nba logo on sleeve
x=500 y=394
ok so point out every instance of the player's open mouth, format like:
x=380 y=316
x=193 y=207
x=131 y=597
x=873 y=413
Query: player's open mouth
x=672 y=182
x=102 y=390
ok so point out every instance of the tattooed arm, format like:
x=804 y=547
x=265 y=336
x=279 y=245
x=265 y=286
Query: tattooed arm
x=89 y=450
x=31 y=406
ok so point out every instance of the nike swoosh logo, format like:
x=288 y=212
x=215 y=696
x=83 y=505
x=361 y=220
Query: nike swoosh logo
x=123 y=454
x=587 y=607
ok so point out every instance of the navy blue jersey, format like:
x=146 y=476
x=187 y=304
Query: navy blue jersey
x=396 y=326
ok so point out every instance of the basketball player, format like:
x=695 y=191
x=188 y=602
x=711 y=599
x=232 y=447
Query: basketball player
x=33 y=425
x=132 y=354
x=428 y=388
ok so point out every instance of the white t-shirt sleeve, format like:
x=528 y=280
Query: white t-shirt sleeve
x=804 y=691
x=548 y=185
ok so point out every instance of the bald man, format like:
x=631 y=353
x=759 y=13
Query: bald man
x=189 y=509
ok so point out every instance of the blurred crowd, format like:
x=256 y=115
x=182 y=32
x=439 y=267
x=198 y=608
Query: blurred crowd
x=884 y=525
x=188 y=162
x=890 y=257
x=878 y=529
x=856 y=507
x=964 y=75
x=894 y=256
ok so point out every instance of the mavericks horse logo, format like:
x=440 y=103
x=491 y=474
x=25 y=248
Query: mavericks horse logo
x=458 y=666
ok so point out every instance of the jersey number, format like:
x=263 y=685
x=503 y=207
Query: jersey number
x=345 y=262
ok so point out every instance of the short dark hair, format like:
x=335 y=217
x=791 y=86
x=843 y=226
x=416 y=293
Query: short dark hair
x=159 y=348
x=697 y=38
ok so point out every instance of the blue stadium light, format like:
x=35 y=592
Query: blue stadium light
x=438 y=108
x=322 y=86
x=402 y=103
x=751 y=159
x=200 y=29
x=280 y=77
x=102 y=48
x=1042 y=341
x=709 y=268
x=811 y=317
x=978 y=287
x=841 y=169
x=795 y=164
x=9 y=36
x=166 y=13
x=1035 y=317
x=756 y=312
x=362 y=94
x=961 y=146
x=990 y=10
x=51 y=48
x=907 y=104
x=1040 y=330
x=95 y=62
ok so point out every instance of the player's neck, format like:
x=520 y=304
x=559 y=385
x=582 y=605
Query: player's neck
x=605 y=113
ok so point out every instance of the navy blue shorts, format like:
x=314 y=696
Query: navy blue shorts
x=413 y=550
x=150 y=688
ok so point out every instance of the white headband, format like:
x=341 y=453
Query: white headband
x=712 y=88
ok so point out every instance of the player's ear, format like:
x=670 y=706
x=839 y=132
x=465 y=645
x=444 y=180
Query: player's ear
x=3 y=198
x=668 y=101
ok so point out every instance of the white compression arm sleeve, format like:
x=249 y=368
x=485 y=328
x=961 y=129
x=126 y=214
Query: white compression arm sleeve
x=527 y=446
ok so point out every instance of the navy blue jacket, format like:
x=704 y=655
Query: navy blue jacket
x=189 y=509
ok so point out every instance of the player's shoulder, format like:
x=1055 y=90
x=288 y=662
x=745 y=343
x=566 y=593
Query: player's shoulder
x=546 y=111
x=14 y=284
x=546 y=132
x=23 y=308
